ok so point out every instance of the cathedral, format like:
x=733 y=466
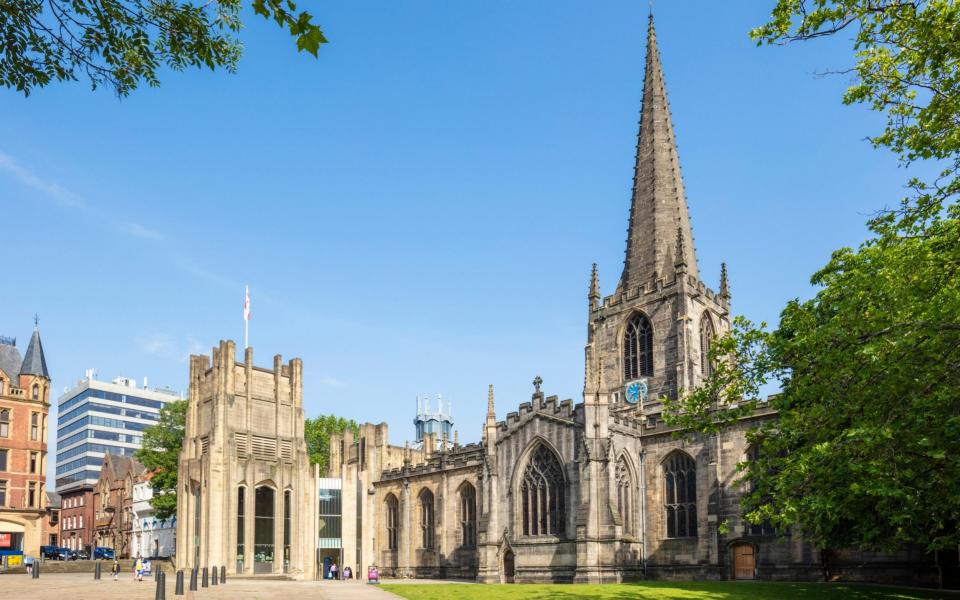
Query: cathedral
x=600 y=490
x=596 y=491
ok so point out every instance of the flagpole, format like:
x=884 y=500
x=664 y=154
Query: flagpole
x=246 y=318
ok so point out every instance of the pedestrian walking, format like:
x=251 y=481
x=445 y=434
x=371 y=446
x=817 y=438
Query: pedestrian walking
x=333 y=571
x=115 y=570
x=139 y=569
x=347 y=573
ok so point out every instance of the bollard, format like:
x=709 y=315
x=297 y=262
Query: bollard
x=223 y=574
x=206 y=580
x=214 y=574
x=158 y=594
x=163 y=585
x=178 y=589
x=193 y=579
x=36 y=570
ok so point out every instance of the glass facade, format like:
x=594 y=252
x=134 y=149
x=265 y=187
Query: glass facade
x=329 y=512
x=98 y=418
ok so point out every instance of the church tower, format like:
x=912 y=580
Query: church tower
x=248 y=496
x=651 y=334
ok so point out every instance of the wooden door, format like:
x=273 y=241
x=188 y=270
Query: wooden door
x=508 y=567
x=744 y=561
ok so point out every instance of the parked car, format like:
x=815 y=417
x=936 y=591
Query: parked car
x=103 y=553
x=54 y=553
x=80 y=555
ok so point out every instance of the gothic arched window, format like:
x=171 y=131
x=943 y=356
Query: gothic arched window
x=5 y=422
x=706 y=340
x=36 y=392
x=542 y=494
x=426 y=519
x=468 y=515
x=393 y=522
x=680 y=495
x=638 y=348
x=625 y=495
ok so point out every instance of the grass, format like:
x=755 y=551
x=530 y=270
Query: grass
x=657 y=590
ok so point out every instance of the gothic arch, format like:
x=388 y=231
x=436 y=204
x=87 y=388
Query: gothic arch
x=678 y=471
x=426 y=512
x=391 y=521
x=637 y=338
x=707 y=335
x=525 y=457
x=626 y=481
x=540 y=492
x=467 y=514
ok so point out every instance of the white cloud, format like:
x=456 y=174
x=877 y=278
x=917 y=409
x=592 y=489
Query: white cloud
x=66 y=198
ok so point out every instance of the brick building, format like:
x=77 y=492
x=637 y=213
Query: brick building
x=24 y=408
x=77 y=530
x=113 y=503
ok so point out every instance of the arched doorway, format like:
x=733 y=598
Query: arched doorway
x=744 y=561
x=509 y=568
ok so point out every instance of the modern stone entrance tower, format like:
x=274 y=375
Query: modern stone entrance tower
x=247 y=494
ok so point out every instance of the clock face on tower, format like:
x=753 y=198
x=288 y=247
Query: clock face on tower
x=636 y=391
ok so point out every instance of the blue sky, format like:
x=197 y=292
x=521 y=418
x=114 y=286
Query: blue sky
x=417 y=210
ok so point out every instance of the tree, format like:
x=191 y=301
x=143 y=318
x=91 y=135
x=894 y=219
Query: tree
x=866 y=450
x=122 y=43
x=159 y=453
x=317 y=432
x=907 y=67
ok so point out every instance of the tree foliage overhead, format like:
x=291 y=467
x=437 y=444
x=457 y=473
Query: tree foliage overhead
x=907 y=66
x=159 y=453
x=317 y=432
x=123 y=43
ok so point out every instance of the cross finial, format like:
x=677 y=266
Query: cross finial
x=36 y=320
x=537 y=381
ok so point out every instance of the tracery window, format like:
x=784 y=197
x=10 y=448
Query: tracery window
x=625 y=495
x=706 y=340
x=542 y=493
x=468 y=515
x=5 y=422
x=638 y=348
x=393 y=521
x=426 y=519
x=680 y=495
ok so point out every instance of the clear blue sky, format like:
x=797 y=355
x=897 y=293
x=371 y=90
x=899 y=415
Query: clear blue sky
x=417 y=210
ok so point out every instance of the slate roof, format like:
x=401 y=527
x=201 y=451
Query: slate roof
x=10 y=362
x=34 y=363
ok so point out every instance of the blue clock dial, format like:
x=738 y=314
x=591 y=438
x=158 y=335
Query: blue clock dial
x=636 y=391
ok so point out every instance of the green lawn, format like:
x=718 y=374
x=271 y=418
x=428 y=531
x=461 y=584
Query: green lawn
x=655 y=590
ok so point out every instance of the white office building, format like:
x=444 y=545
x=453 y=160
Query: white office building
x=98 y=417
x=151 y=537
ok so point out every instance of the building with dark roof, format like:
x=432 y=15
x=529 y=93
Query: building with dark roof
x=24 y=412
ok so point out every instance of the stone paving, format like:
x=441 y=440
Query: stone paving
x=76 y=586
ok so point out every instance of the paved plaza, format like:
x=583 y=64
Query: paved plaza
x=77 y=586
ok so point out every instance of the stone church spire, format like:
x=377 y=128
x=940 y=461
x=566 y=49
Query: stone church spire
x=659 y=206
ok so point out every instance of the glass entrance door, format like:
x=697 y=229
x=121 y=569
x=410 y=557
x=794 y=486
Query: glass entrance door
x=264 y=533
